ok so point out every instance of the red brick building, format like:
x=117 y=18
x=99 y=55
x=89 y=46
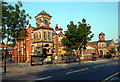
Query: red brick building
x=58 y=36
x=43 y=34
x=23 y=49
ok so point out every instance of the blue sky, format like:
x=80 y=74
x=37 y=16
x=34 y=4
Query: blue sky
x=101 y=16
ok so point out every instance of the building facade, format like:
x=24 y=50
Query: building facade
x=58 y=36
x=43 y=34
x=103 y=46
x=44 y=40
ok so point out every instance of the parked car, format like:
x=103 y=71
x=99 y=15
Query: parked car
x=93 y=57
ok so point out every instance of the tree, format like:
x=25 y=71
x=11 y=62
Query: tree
x=68 y=41
x=118 y=48
x=11 y=23
x=77 y=36
x=112 y=50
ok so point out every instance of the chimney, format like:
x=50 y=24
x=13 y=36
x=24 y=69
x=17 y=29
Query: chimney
x=56 y=28
x=56 y=25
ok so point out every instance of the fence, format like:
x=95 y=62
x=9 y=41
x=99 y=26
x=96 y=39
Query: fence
x=40 y=60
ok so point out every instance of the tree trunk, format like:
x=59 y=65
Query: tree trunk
x=19 y=52
x=5 y=61
x=4 y=58
x=79 y=56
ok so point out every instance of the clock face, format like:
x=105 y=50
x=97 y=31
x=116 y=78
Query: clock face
x=100 y=37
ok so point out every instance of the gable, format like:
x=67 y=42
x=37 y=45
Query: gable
x=111 y=44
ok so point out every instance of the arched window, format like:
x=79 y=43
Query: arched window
x=34 y=36
x=44 y=35
x=49 y=35
x=39 y=35
x=99 y=45
x=46 y=22
x=39 y=21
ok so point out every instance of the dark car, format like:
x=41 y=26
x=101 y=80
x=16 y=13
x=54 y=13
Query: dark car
x=93 y=57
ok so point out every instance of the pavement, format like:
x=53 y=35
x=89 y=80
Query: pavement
x=28 y=68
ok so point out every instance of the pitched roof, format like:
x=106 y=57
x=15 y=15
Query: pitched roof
x=43 y=13
x=60 y=28
x=101 y=33
x=89 y=47
x=42 y=27
x=93 y=43
x=102 y=41
x=108 y=42
x=96 y=42
x=60 y=33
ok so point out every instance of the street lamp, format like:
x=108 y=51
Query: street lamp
x=52 y=53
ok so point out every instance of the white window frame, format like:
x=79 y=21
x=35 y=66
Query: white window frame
x=32 y=48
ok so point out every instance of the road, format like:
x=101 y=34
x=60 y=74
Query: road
x=94 y=71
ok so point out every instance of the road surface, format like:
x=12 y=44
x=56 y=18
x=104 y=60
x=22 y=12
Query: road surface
x=94 y=71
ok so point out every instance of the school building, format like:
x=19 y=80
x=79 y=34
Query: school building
x=43 y=40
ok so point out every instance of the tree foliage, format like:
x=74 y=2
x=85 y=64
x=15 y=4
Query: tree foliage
x=77 y=36
x=112 y=50
x=11 y=23
x=118 y=48
x=13 y=18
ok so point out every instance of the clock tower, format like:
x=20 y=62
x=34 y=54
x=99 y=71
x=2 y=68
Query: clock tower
x=102 y=45
x=43 y=33
x=101 y=36
x=43 y=19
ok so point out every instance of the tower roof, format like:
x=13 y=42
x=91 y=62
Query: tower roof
x=43 y=13
x=101 y=33
x=60 y=28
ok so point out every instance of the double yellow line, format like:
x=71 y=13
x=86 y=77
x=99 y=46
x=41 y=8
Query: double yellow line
x=110 y=77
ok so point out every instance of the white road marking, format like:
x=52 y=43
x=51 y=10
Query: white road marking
x=98 y=66
x=77 y=71
x=101 y=65
x=95 y=66
x=44 y=78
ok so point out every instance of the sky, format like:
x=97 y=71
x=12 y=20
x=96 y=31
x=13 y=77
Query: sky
x=101 y=16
